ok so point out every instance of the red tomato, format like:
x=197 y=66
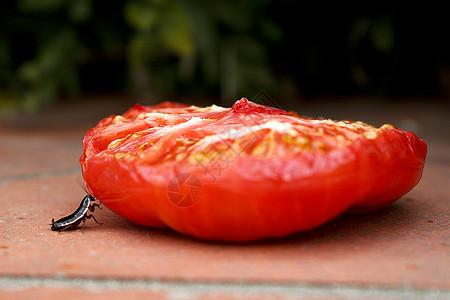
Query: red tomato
x=244 y=173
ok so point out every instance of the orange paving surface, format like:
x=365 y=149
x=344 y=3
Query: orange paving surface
x=399 y=252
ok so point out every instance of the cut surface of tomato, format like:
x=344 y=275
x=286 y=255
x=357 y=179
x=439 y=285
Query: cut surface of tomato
x=246 y=172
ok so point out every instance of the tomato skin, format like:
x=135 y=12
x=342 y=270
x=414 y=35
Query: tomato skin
x=254 y=197
x=401 y=161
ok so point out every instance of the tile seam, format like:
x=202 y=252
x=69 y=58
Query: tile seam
x=183 y=289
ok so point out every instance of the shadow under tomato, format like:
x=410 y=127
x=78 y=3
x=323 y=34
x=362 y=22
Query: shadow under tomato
x=391 y=222
x=400 y=220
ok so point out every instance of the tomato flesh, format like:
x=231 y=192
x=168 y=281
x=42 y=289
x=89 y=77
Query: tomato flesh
x=246 y=172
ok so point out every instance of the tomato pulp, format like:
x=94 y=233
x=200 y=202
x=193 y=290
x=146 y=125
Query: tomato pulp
x=246 y=172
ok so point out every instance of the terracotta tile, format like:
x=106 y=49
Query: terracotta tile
x=401 y=245
x=76 y=294
x=50 y=141
x=35 y=153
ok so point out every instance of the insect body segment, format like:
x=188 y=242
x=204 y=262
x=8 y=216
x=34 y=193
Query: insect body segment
x=78 y=216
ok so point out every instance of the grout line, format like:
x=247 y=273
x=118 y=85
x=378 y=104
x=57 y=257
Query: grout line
x=190 y=289
x=40 y=175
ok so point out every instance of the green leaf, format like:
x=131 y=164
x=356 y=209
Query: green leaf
x=141 y=16
x=140 y=49
x=176 y=30
x=382 y=35
x=80 y=10
x=42 y=94
x=29 y=71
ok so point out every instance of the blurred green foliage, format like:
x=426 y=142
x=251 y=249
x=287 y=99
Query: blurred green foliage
x=196 y=46
x=159 y=48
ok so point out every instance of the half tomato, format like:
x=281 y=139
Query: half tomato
x=246 y=172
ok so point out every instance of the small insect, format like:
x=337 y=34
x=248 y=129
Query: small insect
x=80 y=215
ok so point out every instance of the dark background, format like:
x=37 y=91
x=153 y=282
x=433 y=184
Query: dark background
x=150 y=50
